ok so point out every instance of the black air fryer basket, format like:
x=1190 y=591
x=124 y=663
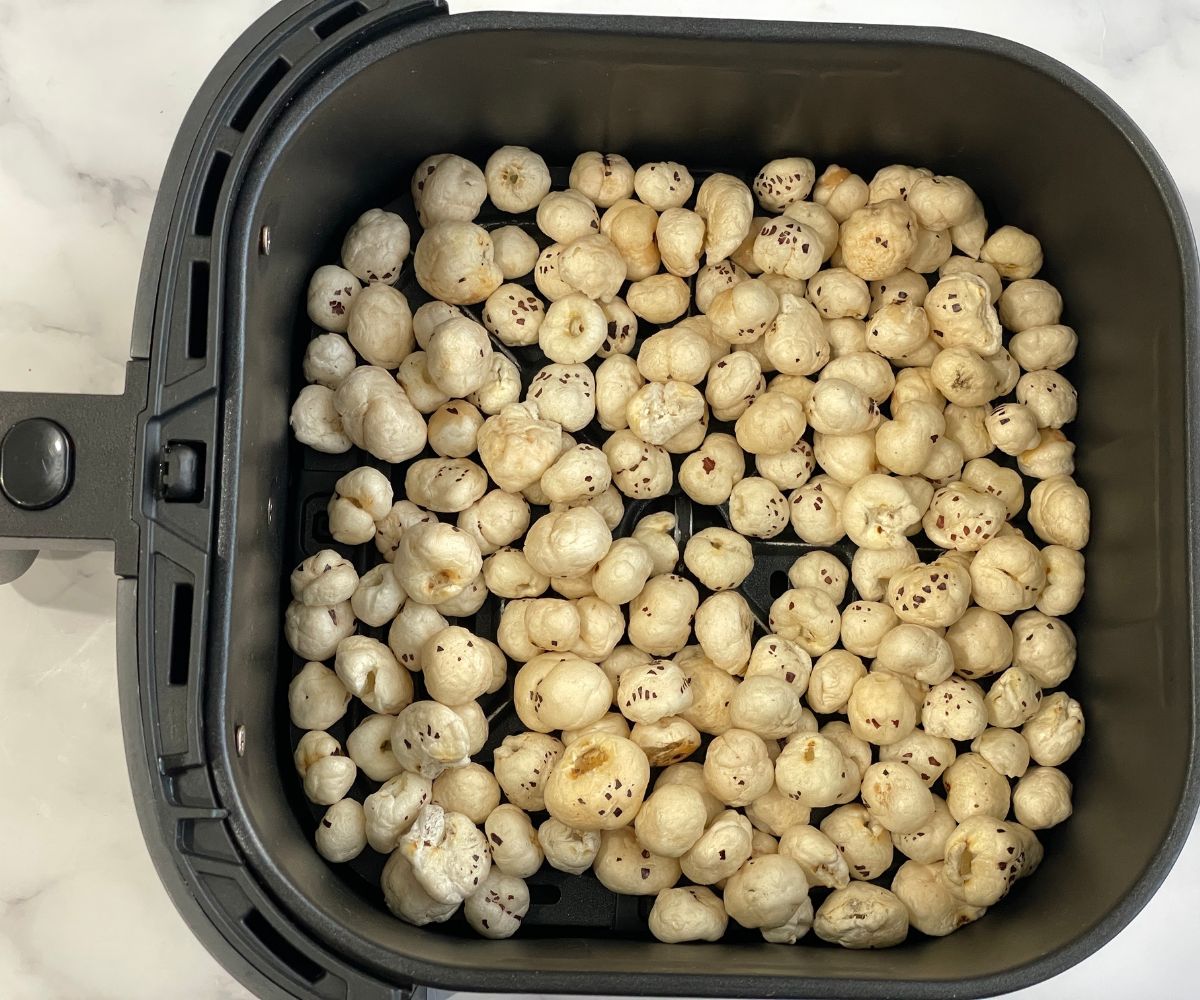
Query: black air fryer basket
x=322 y=110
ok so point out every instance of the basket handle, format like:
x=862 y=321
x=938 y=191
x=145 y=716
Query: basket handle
x=67 y=473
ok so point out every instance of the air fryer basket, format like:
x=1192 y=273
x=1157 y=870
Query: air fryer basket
x=322 y=110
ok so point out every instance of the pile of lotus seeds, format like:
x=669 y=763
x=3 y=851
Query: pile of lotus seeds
x=862 y=361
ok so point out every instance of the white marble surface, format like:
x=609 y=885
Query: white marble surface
x=91 y=94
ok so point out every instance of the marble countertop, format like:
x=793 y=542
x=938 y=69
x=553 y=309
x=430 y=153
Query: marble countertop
x=91 y=95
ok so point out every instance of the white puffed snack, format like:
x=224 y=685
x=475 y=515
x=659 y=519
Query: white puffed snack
x=808 y=616
x=653 y=691
x=445 y=485
x=435 y=562
x=723 y=848
x=975 y=788
x=955 y=709
x=514 y=314
x=928 y=843
x=766 y=705
x=448 y=853
x=1055 y=730
x=1042 y=798
x=1044 y=647
x=418 y=385
x=376 y=246
x=1060 y=513
x=862 y=916
x=407 y=899
x=1013 y=252
x=879 y=709
x=737 y=767
x=522 y=765
x=428 y=737
x=598 y=783
x=640 y=470
x=623 y=572
x=315 y=421
x=447 y=186
x=624 y=866
x=833 y=678
x=414 y=623
x=380 y=326
x=709 y=474
x=932 y=594
x=328 y=359
x=1004 y=749
x=687 y=913
x=671 y=820
x=669 y=741
x=861 y=838
x=984 y=857
x=331 y=292
x=379 y=416
x=783 y=181
x=566 y=848
x=323 y=579
x=663 y=185
x=316 y=697
x=455 y=262
x=766 y=891
x=453 y=428
x=370 y=671
x=516 y=446
x=360 y=498
x=313 y=632
x=390 y=810
x=604 y=178
x=812 y=771
x=514 y=251
x=517 y=179
x=897 y=797
x=1044 y=347
x=470 y=790
x=456 y=664
x=1007 y=575
x=513 y=841
x=932 y=908
x=496 y=909
x=341 y=835
x=864 y=625
x=727 y=207
x=719 y=558
x=840 y=191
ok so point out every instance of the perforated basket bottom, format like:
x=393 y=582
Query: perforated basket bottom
x=560 y=904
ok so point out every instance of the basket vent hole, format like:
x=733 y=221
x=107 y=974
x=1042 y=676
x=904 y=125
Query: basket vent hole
x=339 y=19
x=544 y=895
x=197 y=315
x=206 y=210
x=779 y=583
x=286 y=953
x=180 y=655
x=259 y=92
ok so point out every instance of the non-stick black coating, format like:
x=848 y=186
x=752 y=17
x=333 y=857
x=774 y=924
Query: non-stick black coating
x=1042 y=156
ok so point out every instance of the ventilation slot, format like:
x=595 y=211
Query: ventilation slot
x=286 y=953
x=206 y=211
x=339 y=19
x=180 y=656
x=254 y=100
x=197 y=316
x=779 y=583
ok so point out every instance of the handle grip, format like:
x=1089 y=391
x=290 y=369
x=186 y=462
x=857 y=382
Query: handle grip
x=67 y=472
